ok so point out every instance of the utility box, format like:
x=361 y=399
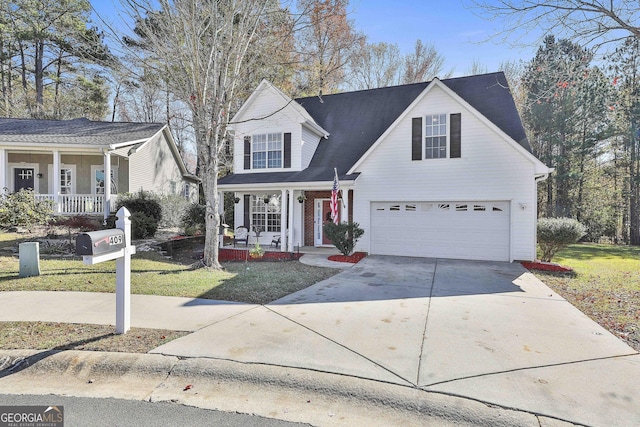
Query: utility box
x=100 y=242
x=29 y=259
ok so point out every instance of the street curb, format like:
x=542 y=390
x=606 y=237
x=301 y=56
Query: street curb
x=289 y=394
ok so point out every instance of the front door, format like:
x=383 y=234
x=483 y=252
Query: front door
x=323 y=215
x=23 y=178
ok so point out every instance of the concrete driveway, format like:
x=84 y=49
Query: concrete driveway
x=487 y=331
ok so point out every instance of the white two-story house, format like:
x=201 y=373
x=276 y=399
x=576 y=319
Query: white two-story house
x=433 y=169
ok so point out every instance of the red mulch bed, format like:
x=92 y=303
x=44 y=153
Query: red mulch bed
x=243 y=255
x=545 y=266
x=353 y=258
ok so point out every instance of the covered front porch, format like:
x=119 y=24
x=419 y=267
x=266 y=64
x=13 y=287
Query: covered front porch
x=294 y=216
x=74 y=179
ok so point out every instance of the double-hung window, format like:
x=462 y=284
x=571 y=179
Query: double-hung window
x=266 y=216
x=266 y=151
x=435 y=142
x=436 y=136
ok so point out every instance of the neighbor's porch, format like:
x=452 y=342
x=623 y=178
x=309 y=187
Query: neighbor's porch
x=73 y=180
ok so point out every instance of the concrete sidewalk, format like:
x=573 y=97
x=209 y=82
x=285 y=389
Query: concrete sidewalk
x=481 y=341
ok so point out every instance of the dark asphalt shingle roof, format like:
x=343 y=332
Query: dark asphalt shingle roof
x=355 y=121
x=74 y=132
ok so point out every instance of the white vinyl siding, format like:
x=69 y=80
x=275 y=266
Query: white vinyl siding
x=282 y=118
x=310 y=143
x=491 y=169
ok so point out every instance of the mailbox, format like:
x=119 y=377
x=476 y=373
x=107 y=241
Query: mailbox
x=100 y=242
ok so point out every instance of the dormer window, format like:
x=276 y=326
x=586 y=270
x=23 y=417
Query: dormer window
x=266 y=151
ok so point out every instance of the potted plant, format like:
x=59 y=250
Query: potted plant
x=266 y=199
x=302 y=198
x=236 y=200
x=256 y=251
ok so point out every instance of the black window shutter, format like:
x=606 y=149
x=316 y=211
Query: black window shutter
x=287 y=150
x=247 y=152
x=455 y=149
x=416 y=138
x=247 y=211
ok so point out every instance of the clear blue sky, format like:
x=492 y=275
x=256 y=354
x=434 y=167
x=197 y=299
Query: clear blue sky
x=452 y=26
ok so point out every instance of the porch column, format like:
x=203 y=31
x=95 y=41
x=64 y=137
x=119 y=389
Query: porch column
x=284 y=208
x=56 y=181
x=107 y=184
x=290 y=242
x=3 y=170
x=220 y=213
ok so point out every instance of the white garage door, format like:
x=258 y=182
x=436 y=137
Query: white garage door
x=461 y=230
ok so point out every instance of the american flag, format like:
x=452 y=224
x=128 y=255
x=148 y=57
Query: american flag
x=334 y=198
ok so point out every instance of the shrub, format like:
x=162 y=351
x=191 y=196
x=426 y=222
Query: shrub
x=143 y=226
x=142 y=201
x=21 y=209
x=193 y=220
x=173 y=207
x=145 y=210
x=343 y=235
x=556 y=233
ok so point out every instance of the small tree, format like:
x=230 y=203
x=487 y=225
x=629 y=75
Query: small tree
x=343 y=235
x=556 y=233
x=21 y=209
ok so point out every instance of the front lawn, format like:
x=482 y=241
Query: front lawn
x=605 y=284
x=151 y=274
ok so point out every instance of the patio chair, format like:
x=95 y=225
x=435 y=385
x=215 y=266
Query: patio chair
x=276 y=240
x=241 y=235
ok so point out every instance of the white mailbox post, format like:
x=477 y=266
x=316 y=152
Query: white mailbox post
x=105 y=245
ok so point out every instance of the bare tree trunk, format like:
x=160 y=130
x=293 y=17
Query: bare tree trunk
x=634 y=190
x=39 y=78
x=23 y=75
x=115 y=102
x=56 y=96
x=209 y=167
x=549 y=161
x=3 y=77
x=581 y=180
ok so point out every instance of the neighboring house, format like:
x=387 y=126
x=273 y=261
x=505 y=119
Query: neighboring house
x=67 y=161
x=433 y=169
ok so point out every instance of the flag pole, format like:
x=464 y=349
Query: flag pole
x=335 y=170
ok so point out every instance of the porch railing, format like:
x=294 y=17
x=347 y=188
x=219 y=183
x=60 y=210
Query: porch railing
x=78 y=204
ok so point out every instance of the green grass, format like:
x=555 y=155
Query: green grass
x=255 y=282
x=605 y=284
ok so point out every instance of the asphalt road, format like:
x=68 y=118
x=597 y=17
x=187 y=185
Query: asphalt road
x=87 y=411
